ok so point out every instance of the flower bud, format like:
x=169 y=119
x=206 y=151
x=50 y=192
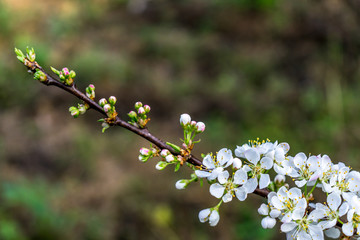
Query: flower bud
x=145 y=151
x=200 y=127
x=132 y=115
x=141 y=111
x=102 y=102
x=92 y=87
x=279 y=179
x=65 y=71
x=138 y=105
x=193 y=123
x=170 y=158
x=143 y=158
x=181 y=184
x=107 y=108
x=164 y=152
x=112 y=100
x=161 y=165
x=82 y=108
x=104 y=126
x=40 y=75
x=147 y=108
x=185 y=119
x=72 y=74
x=74 y=111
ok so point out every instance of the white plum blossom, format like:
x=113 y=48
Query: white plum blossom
x=211 y=215
x=331 y=211
x=353 y=217
x=227 y=188
x=215 y=166
x=288 y=202
x=269 y=212
x=303 y=227
x=257 y=167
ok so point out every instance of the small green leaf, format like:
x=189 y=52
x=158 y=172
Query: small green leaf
x=175 y=147
x=57 y=72
x=177 y=167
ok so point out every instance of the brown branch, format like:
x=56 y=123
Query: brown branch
x=50 y=81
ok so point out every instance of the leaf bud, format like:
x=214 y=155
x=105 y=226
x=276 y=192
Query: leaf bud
x=30 y=54
x=40 y=75
x=112 y=100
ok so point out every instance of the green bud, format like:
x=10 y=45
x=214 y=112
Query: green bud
x=39 y=75
x=74 y=111
x=30 y=54
x=72 y=74
x=161 y=165
x=20 y=55
x=82 y=108
x=175 y=147
x=57 y=72
x=133 y=115
x=112 y=100
x=104 y=126
x=138 y=105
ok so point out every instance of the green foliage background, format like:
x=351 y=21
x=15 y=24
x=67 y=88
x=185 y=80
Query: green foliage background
x=284 y=70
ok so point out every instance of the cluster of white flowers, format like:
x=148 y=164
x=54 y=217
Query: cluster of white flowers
x=300 y=216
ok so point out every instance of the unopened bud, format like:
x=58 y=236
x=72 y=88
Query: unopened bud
x=147 y=108
x=102 y=102
x=30 y=54
x=143 y=158
x=65 y=71
x=107 y=108
x=145 y=151
x=161 y=165
x=164 y=152
x=72 y=74
x=138 y=105
x=132 y=115
x=170 y=158
x=181 y=184
x=200 y=127
x=74 y=111
x=112 y=100
x=141 y=111
x=185 y=119
x=82 y=108
x=41 y=76
x=279 y=179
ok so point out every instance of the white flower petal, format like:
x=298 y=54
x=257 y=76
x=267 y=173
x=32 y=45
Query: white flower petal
x=237 y=163
x=263 y=209
x=264 y=181
x=217 y=190
x=251 y=185
x=204 y=215
x=241 y=193
x=266 y=163
x=344 y=208
x=227 y=197
x=348 y=229
x=240 y=177
x=277 y=203
x=333 y=233
x=300 y=183
x=202 y=174
x=316 y=232
x=252 y=156
x=334 y=201
x=274 y=213
x=223 y=177
x=287 y=227
x=209 y=162
x=214 y=218
x=298 y=214
x=300 y=160
x=268 y=222
x=224 y=155
x=294 y=193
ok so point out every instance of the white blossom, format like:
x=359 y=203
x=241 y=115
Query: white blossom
x=210 y=215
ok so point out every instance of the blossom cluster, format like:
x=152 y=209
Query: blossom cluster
x=300 y=216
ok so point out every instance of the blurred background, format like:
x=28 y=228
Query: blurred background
x=285 y=70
